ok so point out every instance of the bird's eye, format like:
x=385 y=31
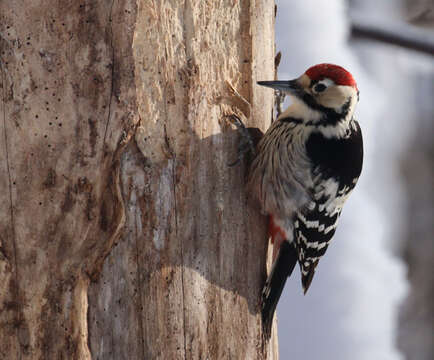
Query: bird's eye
x=319 y=87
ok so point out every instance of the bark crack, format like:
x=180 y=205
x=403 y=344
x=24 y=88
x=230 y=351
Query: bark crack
x=181 y=243
x=188 y=26
x=112 y=74
x=11 y=209
x=182 y=265
x=139 y=285
x=172 y=159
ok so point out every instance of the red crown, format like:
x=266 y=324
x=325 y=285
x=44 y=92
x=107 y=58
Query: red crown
x=333 y=72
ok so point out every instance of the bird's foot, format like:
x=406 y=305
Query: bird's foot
x=246 y=144
x=279 y=98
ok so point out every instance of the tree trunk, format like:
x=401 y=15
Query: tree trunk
x=123 y=232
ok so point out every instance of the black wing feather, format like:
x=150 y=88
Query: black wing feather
x=339 y=159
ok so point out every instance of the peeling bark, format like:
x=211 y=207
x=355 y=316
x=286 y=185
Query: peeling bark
x=123 y=233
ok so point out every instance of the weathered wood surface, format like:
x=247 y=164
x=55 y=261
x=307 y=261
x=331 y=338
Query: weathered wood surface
x=123 y=234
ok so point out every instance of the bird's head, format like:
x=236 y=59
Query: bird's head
x=325 y=88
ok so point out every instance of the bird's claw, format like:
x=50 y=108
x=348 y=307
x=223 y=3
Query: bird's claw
x=246 y=143
x=279 y=98
x=235 y=120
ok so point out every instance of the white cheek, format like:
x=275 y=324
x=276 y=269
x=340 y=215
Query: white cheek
x=299 y=110
x=336 y=96
x=347 y=91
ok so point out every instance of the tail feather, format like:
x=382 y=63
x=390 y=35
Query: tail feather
x=282 y=268
x=307 y=274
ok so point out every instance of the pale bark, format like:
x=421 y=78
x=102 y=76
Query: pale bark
x=123 y=233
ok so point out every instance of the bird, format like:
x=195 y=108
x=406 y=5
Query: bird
x=304 y=168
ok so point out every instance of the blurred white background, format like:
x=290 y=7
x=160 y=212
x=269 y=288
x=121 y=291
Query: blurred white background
x=372 y=295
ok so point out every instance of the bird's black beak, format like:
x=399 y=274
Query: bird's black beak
x=292 y=86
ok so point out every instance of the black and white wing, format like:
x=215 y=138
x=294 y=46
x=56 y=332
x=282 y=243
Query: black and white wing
x=336 y=167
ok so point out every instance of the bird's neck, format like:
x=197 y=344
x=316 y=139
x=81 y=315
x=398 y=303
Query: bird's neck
x=330 y=123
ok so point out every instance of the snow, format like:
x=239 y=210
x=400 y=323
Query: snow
x=351 y=309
